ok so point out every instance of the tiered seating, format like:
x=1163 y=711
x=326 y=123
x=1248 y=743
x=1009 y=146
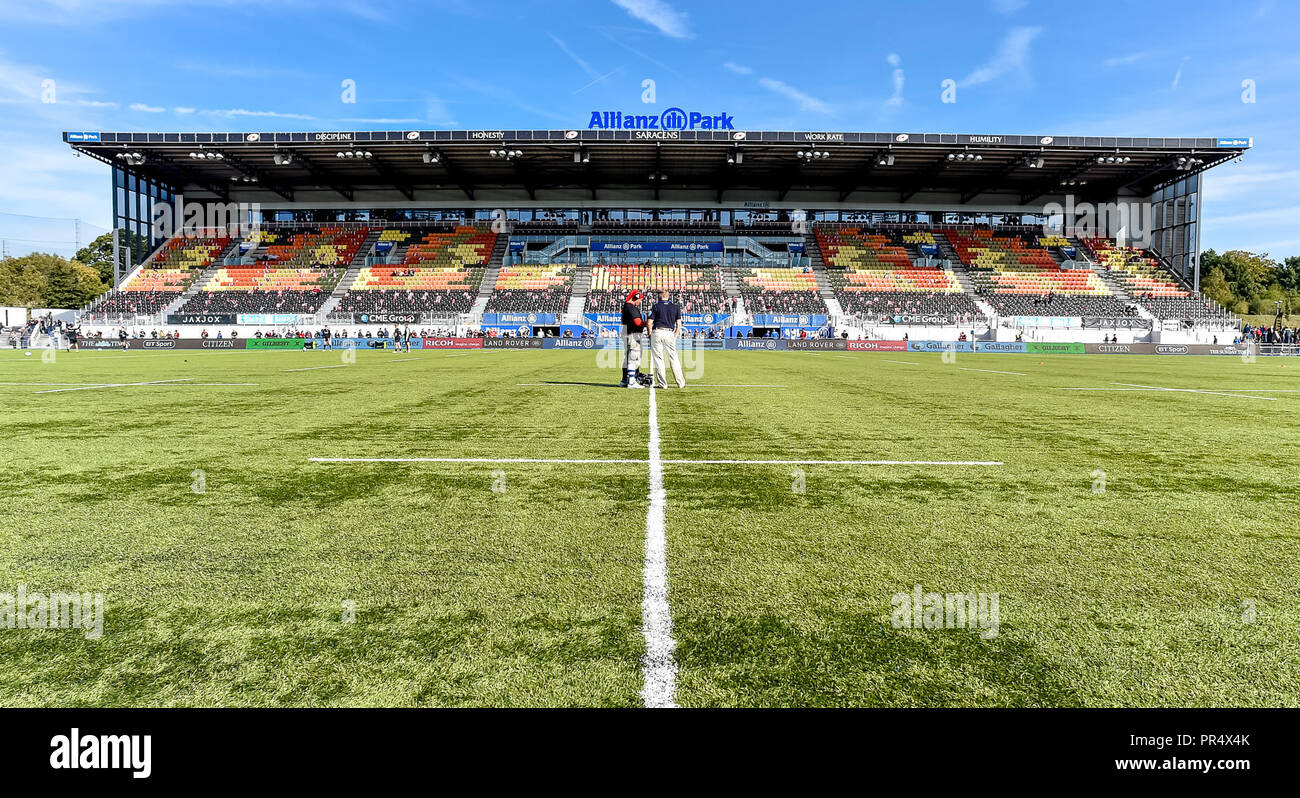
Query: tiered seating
x=330 y=246
x=873 y=276
x=176 y=265
x=696 y=289
x=533 y=288
x=412 y=289
x=1140 y=275
x=129 y=303
x=770 y=290
x=1019 y=278
x=262 y=289
x=462 y=246
x=1191 y=309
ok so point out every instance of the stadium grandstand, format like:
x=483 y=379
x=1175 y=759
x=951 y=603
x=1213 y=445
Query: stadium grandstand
x=543 y=232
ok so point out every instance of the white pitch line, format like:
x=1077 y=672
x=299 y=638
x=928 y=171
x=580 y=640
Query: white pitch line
x=991 y=371
x=405 y=359
x=116 y=385
x=586 y=385
x=658 y=666
x=317 y=368
x=1193 y=390
x=629 y=461
x=1171 y=390
x=903 y=362
x=847 y=357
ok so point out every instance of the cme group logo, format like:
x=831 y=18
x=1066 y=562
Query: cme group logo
x=365 y=318
x=673 y=119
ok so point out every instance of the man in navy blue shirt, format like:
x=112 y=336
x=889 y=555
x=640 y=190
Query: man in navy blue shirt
x=665 y=325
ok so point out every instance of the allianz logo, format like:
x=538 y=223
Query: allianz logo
x=671 y=119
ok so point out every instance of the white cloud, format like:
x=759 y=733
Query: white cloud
x=97 y=104
x=184 y=109
x=806 y=102
x=1130 y=58
x=234 y=112
x=148 y=109
x=739 y=69
x=1178 y=76
x=1247 y=181
x=591 y=73
x=1012 y=58
x=897 y=98
x=667 y=19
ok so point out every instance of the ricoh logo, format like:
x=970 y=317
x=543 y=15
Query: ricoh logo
x=77 y=751
x=671 y=119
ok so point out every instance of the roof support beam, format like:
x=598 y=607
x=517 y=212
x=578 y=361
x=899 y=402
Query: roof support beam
x=321 y=176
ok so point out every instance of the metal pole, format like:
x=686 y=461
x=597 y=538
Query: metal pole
x=117 y=260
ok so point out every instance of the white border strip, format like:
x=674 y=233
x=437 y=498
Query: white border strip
x=595 y=461
x=659 y=670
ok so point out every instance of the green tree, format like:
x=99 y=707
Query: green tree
x=98 y=254
x=44 y=280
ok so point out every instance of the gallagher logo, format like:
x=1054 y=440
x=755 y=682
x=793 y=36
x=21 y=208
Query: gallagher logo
x=671 y=119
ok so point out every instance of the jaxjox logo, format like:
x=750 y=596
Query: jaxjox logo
x=671 y=119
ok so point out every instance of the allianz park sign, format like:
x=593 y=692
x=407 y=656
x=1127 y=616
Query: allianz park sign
x=671 y=119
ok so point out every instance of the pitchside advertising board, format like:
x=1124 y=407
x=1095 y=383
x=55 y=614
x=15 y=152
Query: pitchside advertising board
x=656 y=246
x=788 y=320
x=385 y=318
x=512 y=320
x=689 y=320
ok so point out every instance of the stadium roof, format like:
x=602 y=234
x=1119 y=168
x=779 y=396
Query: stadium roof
x=576 y=166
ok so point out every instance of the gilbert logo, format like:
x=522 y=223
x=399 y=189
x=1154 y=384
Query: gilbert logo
x=75 y=751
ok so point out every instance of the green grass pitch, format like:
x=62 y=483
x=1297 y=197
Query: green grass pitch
x=520 y=584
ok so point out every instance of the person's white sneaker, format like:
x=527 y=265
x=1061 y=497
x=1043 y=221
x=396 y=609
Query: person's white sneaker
x=635 y=384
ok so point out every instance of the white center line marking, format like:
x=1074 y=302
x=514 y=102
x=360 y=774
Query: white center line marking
x=116 y=385
x=1154 y=389
x=317 y=368
x=405 y=359
x=658 y=667
x=991 y=371
x=638 y=461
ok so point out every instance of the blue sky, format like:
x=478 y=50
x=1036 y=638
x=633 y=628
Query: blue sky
x=1021 y=66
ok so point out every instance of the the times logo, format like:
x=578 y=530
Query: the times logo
x=75 y=751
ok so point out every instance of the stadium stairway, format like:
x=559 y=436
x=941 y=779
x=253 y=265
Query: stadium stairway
x=949 y=254
x=490 y=272
x=350 y=276
x=203 y=279
x=578 y=295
